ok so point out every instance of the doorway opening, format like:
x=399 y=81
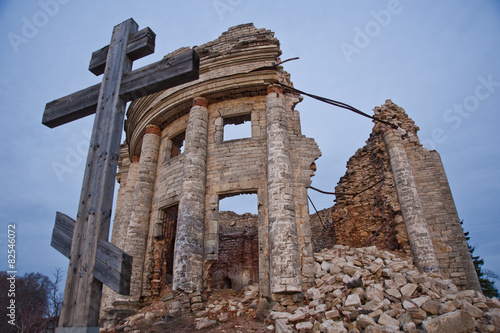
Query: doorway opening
x=238 y=257
x=163 y=251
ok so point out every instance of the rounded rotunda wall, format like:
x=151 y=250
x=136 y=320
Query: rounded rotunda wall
x=240 y=63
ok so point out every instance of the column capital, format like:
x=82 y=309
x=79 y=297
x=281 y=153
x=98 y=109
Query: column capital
x=135 y=159
x=153 y=129
x=201 y=101
x=274 y=88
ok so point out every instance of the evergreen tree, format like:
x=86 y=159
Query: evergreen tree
x=487 y=286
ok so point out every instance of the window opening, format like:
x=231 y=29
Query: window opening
x=237 y=127
x=178 y=144
x=239 y=203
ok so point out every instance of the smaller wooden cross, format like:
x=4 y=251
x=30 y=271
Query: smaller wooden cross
x=92 y=259
x=113 y=266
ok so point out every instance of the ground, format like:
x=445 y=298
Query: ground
x=244 y=323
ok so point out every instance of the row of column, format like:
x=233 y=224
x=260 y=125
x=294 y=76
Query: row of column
x=285 y=261
x=134 y=217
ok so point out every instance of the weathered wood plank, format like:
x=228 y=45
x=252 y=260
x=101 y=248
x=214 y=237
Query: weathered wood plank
x=170 y=72
x=82 y=295
x=181 y=68
x=140 y=44
x=113 y=265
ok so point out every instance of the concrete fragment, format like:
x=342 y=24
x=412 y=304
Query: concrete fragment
x=432 y=307
x=279 y=315
x=410 y=328
x=474 y=311
x=307 y=325
x=419 y=301
x=332 y=314
x=297 y=316
x=385 y=319
x=453 y=322
x=393 y=293
x=447 y=307
x=205 y=323
x=280 y=326
x=353 y=300
x=493 y=302
x=336 y=327
x=364 y=321
x=408 y=289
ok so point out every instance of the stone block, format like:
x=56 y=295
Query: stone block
x=432 y=307
x=385 y=319
x=408 y=289
x=474 y=311
x=363 y=321
x=353 y=300
x=453 y=322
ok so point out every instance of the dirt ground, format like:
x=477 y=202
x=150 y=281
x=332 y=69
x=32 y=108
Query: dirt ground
x=245 y=323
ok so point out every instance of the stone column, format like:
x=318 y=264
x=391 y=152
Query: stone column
x=188 y=254
x=120 y=225
x=285 y=263
x=126 y=208
x=419 y=235
x=142 y=198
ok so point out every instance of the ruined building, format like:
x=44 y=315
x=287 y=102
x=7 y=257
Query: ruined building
x=395 y=195
x=176 y=165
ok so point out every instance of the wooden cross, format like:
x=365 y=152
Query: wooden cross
x=88 y=267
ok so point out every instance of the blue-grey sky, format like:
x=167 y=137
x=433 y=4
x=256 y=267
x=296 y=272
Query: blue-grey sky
x=437 y=60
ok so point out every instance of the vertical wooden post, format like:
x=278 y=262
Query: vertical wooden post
x=82 y=296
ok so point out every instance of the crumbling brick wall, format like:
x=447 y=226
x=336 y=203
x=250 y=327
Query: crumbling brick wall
x=238 y=262
x=323 y=230
x=367 y=210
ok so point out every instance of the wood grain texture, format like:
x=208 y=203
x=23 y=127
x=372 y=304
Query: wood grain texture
x=113 y=265
x=82 y=295
x=181 y=68
x=140 y=44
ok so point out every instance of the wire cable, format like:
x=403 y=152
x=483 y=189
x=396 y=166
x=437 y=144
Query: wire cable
x=338 y=104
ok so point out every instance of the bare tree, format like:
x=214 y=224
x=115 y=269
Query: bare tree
x=55 y=299
x=491 y=275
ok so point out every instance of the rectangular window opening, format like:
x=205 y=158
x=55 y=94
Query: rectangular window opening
x=178 y=144
x=237 y=127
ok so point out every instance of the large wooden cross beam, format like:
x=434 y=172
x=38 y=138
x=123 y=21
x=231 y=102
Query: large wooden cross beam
x=113 y=266
x=82 y=295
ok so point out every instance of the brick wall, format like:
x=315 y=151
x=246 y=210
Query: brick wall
x=367 y=209
x=238 y=263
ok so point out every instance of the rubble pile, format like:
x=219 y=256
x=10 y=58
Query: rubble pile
x=356 y=290
x=372 y=291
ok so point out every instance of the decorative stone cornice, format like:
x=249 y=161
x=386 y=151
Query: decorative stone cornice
x=240 y=63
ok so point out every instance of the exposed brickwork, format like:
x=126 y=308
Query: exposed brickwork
x=238 y=264
x=185 y=161
x=188 y=257
x=357 y=218
x=323 y=230
x=138 y=227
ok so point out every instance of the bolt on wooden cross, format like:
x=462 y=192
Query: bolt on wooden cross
x=93 y=260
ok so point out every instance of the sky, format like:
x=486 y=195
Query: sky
x=437 y=60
